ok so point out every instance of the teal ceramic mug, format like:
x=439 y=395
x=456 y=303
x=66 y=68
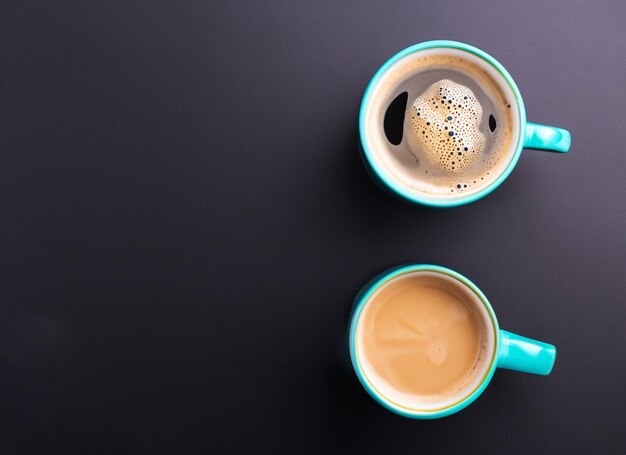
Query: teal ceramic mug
x=501 y=349
x=380 y=156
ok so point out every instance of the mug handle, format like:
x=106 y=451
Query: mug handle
x=523 y=354
x=548 y=138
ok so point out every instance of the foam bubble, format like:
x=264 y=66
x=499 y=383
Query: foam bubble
x=444 y=126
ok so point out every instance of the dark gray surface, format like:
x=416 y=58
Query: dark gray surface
x=185 y=221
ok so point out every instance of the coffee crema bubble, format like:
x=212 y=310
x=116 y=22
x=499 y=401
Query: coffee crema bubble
x=451 y=136
x=449 y=125
x=445 y=123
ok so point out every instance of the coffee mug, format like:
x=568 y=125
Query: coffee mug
x=496 y=348
x=406 y=68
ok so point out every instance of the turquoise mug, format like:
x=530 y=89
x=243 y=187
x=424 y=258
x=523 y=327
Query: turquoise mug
x=503 y=349
x=388 y=82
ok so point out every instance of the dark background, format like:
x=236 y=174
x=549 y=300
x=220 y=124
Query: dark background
x=185 y=221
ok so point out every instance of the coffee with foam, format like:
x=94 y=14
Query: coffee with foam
x=459 y=124
x=443 y=126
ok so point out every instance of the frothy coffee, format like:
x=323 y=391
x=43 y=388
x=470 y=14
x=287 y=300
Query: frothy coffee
x=443 y=127
x=451 y=125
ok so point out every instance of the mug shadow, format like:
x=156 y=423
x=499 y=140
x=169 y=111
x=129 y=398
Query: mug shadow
x=367 y=194
x=347 y=403
x=367 y=198
x=378 y=218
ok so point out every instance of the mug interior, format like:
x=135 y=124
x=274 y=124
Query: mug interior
x=391 y=80
x=405 y=404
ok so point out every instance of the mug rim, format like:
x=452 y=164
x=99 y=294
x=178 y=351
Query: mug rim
x=361 y=299
x=420 y=197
